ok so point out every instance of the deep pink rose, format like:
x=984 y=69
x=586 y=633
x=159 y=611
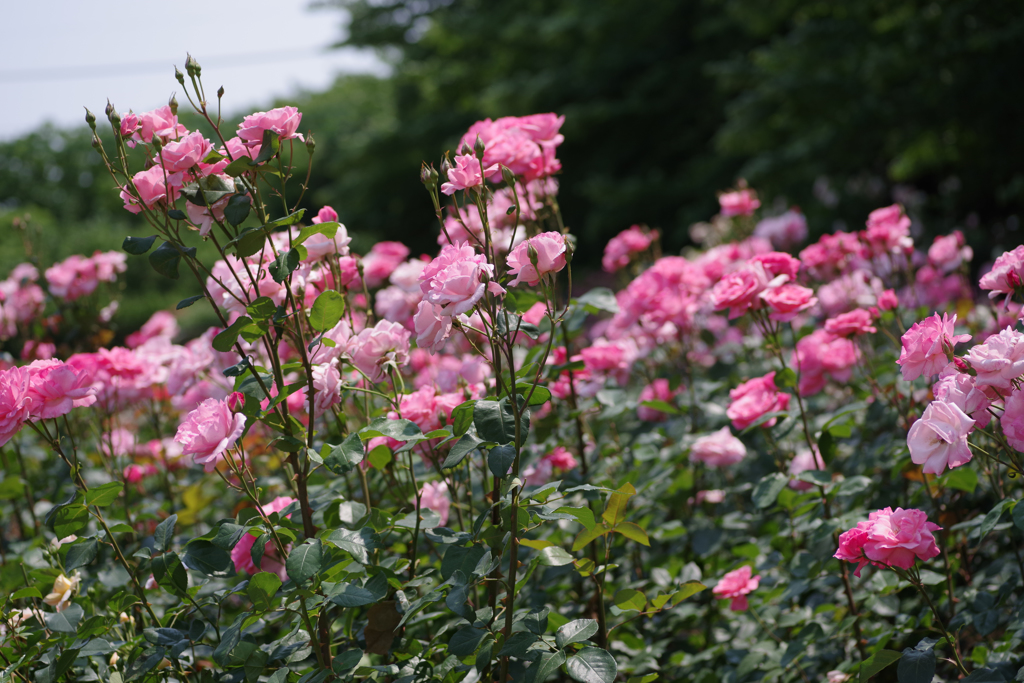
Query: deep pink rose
x=939 y=438
x=899 y=538
x=777 y=263
x=928 y=346
x=788 y=301
x=547 y=248
x=560 y=458
x=738 y=291
x=851 y=546
x=284 y=121
x=326 y=215
x=15 y=401
x=1012 y=419
x=620 y=248
x=718 y=449
x=658 y=390
x=821 y=355
x=55 y=388
x=888 y=300
x=738 y=203
x=754 y=398
x=999 y=361
x=888 y=230
x=272 y=562
x=735 y=586
x=209 y=431
x=1006 y=276
x=857 y=321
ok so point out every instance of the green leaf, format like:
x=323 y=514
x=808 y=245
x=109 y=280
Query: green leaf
x=662 y=406
x=262 y=309
x=327 y=310
x=328 y=230
x=357 y=543
x=304 y=561
x=463 y=447
x=203 y=556
x=64 y=662
x=495 y=421
x=70 y=520
x=208 y=190
x=268 y=147
x=597 y=300
x=575 y=632
x=877 y=662
x=399 y=430
x=350 y=595
x=765 y=418
x=500 y=459
x=170 y=573
x=615 y=510
x=166 y=258
x=963 y=479
x=27 y=593
x=185 y=303
x=81 y=554
x=249 y=242
x=554 y=557
x=290 y=219
x=137 y=246
x=916 y=666
x=538 y=395
x=584 y=538
x=101 y=496
x=462 y=417
x=283 y=266
x=237 y=168
x=237 y=209
x=66 y=621
x=768 y=489
x=592 y=665
x=261 y=590
x=466 y=641
x=346 y=661
x=827 y=447
x=227 y=338
x=1018 y=513
x=992 y=518
x=630 y=599
x=584 y=515
x=688 y=589
x=461 y=558
x=785 y=379
x=518 y=645
x=633 y=532
x=345 y=456
x=543 y=667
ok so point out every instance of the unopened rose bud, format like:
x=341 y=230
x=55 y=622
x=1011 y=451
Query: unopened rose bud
x=428 y=176
x=508 y=176
x=446 y=167
x=114 y=659
x=310 y=144
x=157 y=143
x=115 y=119
x=109 y=108
x=164 y=663
x=173 y=104
x=235 y=401
x=220 y=92
x=96 y=142
x=124 y=618
x=192 y=67
x=90 y=118
x=478 y=147
x=180 y=77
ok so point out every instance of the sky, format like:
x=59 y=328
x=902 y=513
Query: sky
x=57 y=56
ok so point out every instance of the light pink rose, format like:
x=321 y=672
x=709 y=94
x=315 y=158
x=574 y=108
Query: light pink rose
x=857 y=321
x=284 y=121
x=928 y=346
x=376 y=347
x=788 y=301
x=999 y=361
x=432 y=328
x=15 y=401
x=209 y=431
x=548 y=248
x=153 y=187
x=718 y=449
x=183 y=154
x=785 y=231
x=382 y=260
x=888 y=230
x=803 y=461
x=159 y=123
x=658 y=390
x=621 y=247
x=738 y=291
x=55 y=388
x=735 y=586
x=754 y=398
x=961 y=389
x=465 y=174
x=538 y=473
x=434 y=496
x=1006 y=276
x=327 y=387
x=1012 y=419
x=271 y=562
x=939 y=438
x=713 y=496
x=888 y=300
x=161 y=324
x=738 y=203
x=455 y=279
x=949 y=251
x=396 y=304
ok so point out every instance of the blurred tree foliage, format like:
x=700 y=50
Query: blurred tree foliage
x=837 y=106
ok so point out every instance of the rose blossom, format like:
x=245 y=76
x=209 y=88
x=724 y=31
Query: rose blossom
x=621 y=247
x=1007 y=274
x=998 y=361
x=434 y=496
x=209 y=431
x=803 y=461
x=718 y=449
x=821 y=355
x=857 y=321
x=1012 y=419
x=889 y=538
x=455 y=279
x=55 y=388
x=738 y=291
x=736 y=585
x=658 y=390
x=15 y=401
x=373 y=348
x=754 y=398
x=548 y=248
x=738 y=202
x=939 y=438
x=383 y=259
x=928 y=345
x=432 y=328
x=788 y=301
x=949 y=251
x=560 y=458
x=241 y=554
x=183 y=154
x=465 y=174
x=888 y=300
x=284 y=121
x=153 y=186
x=777 y=263
x=59 y=596
x=888 y=230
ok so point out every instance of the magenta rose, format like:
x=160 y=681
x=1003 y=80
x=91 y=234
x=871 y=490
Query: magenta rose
x=735 y=586
x=855 y=322
x=754 y=398
x=738 y=291
x=15 y=401
x=787 y=301
x=55 y=388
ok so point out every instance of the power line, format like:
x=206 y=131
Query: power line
x=66 y=73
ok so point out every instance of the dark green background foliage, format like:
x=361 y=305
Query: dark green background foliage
x=838 y=107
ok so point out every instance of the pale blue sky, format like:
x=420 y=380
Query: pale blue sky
x=58 y=55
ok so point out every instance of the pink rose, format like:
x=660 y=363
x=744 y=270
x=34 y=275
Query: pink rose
x=185 y=153
x=785 y=231
x=159 y=123
x=735 y=586
x=373 y=349
x=855 y=322
x=889 y=230
x=999 y=361
x=153 y=187
x=851 y=546
x=960 y=388
x=777 y=263
x=738 y=291
x=326 y=215
x=949 y=251
x=55 y=388
x=804 y=461
x=928 y=346
x=1006 y=276
x=432 y=328
x=455 y=279
x=713 y=496
x=15 y=401
x=434 y=496
x=821 y=355
x=1012 y=419
x=383 y=259
x=327 y=388
x=939 y=438
x=209 y=431
x=718 y=449
x=788 y=301
x=754 y=398
x=560 y=458
x=547 y=248
x=621 y=247
x=738 y=203
x=284 y=121
x=888 y=300
x=161 y=324
x=898 y=538
x=272 y=562
x=658 y=390
x=465 y=174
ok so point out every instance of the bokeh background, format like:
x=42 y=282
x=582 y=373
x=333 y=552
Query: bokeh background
x=835 y=106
